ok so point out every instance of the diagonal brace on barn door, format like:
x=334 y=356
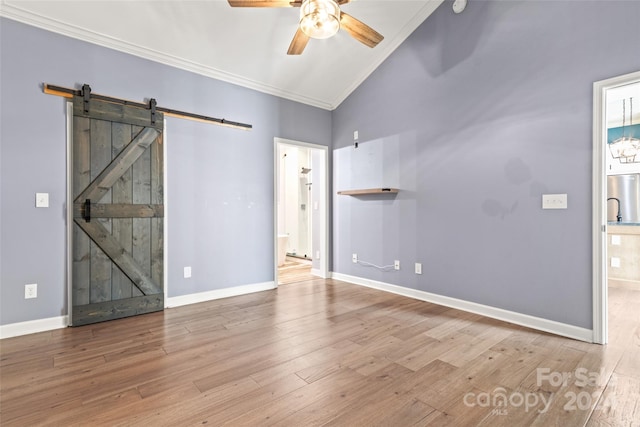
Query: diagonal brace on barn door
x=118 y=166
x=120 y=257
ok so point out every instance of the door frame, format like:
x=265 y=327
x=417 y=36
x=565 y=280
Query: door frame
x=69 y=213
x=323 y=219
x=599 y=196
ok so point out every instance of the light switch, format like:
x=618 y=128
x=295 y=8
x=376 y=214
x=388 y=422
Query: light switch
x=554 y=201
x=615 y=239
x=42 y=200
x=418 y=268
x=187 y=272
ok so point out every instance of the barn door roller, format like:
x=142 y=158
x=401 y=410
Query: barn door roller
x=152 y=107
x=86 y=96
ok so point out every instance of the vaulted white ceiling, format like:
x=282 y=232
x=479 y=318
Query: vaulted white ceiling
x=245 y=46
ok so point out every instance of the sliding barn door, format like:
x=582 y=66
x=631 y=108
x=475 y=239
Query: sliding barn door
x=117 y=176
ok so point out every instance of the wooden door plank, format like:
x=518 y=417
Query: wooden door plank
x=120 y=113
x=103 y=238
x=142 y=195
x=110 y=310
x=118 y=210
x=81 y=243
x=121 y=285
x=100 y=288
x=111 y=173
x=157 y=222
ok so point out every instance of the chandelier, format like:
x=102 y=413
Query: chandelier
x=626 y=148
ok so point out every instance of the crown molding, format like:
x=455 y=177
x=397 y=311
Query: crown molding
x=14 y=12
x=27 y=17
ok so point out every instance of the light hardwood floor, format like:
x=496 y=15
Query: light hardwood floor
x=294 y=270
x=321 y=352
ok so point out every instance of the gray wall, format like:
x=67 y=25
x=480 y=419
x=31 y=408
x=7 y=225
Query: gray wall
x=491 y=108
x=220 y=195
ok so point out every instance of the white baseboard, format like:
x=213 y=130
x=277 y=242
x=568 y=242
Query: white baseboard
x=41 y=325
x=562 y=329
x=537 y=323
x=33 y=326
x=218 y=293
x=318 y=273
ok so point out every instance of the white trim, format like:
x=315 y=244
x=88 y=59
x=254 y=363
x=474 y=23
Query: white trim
x=537 y=323
x=218 y=294
x=386 y=49
x=316 y=272
x=41 y=325
x=33 y=326
x=599 y=231
x=323 y=271
x=165 y=224
x=69 y=213
x=46 y=23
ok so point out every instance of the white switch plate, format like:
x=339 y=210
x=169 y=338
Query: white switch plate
x=354 y=258
x=355 y=135
x=42 y=200
x=615 y=262
x=554 y=201
x=31 y=291
x=187 y=272
x=317 y=254
x=396 y=265
x=418 y=268
x=615 y=239
x=315 y=206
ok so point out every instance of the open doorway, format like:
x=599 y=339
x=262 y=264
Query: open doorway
x=301 y=210
x=614 y=240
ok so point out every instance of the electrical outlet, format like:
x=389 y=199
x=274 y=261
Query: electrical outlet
x=187 y=272
x=418 y=268
x=31 y=291
x=354 y=258
x=615 y=262
x=616 y=240
x=396 y=265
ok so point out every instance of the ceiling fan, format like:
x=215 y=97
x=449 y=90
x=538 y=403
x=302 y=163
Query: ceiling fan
x=319 y=19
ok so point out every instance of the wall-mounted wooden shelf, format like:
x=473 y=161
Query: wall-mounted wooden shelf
x=362 y=192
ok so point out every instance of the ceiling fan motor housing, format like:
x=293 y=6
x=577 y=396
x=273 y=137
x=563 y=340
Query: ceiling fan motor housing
x=319 y=19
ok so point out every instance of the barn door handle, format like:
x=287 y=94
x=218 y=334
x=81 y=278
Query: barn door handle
x=86 y=211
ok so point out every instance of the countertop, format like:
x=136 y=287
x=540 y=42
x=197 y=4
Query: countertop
x=623 y=228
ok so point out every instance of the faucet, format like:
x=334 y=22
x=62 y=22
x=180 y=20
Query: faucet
x=617 y=200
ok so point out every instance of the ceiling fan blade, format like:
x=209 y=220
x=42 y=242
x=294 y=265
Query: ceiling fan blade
x=265 y=3
x=360 y=31
x=298 y=43
x=341 y=2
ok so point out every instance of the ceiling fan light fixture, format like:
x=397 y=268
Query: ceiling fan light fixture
x=319 y=19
